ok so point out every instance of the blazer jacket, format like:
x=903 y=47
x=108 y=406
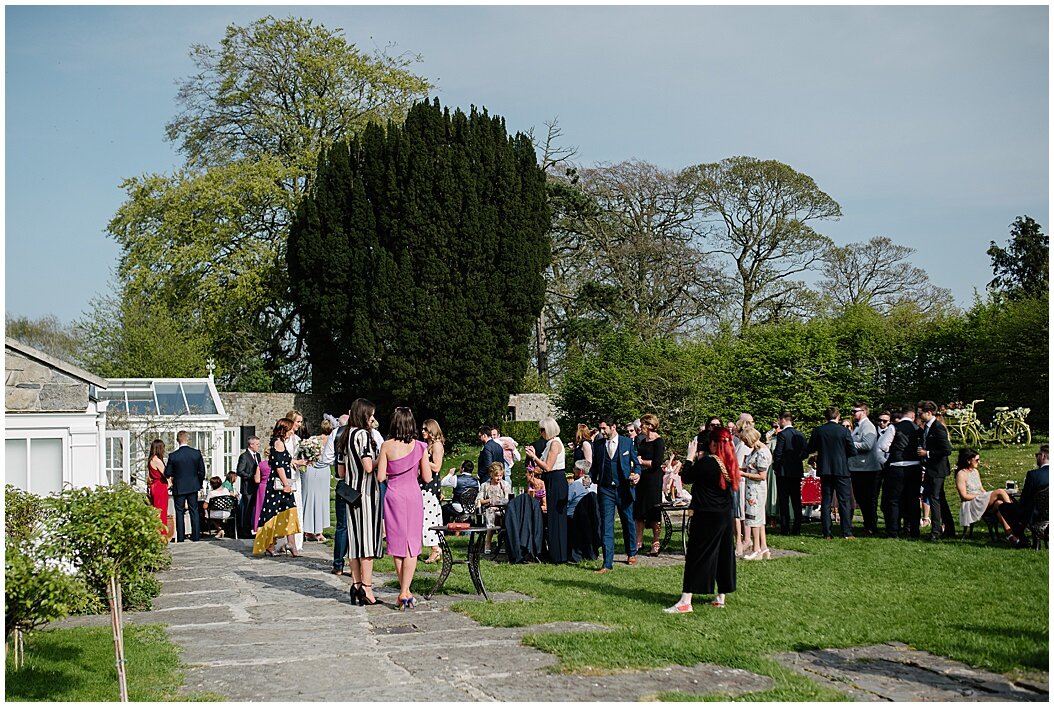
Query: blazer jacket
x=491 y=452
x=186 y=468
x=939 y=447
x=834 y=445
x=1035 y=481
x=789 y=456
x=626 y=462
x=246 y=470
x=865 y=439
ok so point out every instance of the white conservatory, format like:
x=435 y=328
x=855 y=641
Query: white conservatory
x=157 y=408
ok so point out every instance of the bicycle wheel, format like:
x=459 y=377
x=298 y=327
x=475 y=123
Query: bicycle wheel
x=971 y=437
x=1015 y=432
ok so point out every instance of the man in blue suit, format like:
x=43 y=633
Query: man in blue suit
x=833 y=446
x=186 y=468
x=1024 y=513
x=491 y=452
x=615 y=471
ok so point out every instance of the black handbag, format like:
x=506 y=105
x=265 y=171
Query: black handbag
x=350 y=496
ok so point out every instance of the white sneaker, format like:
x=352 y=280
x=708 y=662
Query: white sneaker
x=751 y=556
x=678 y=609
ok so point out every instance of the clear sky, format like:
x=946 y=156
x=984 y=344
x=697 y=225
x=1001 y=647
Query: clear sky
x=928 y=125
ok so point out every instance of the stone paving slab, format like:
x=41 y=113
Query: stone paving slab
x=895 y=672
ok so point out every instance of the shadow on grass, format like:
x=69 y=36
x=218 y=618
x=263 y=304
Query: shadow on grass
x=599 y=584
x=33 y=683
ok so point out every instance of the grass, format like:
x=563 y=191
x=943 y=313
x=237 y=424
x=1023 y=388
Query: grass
x=77 y=665
x=984 y=605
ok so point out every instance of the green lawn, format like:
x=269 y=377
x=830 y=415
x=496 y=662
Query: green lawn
x=77 y=665
x=985 y=605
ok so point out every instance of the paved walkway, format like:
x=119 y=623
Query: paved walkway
x=236 y=616
x=270 y=629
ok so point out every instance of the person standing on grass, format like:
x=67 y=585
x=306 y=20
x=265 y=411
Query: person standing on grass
x=865 y=468
x=615 y=471
x=711 y=557
x=550 y=468
x=900 y=495
x=651 y=450
x=833 y=445
x=755 y=470
x=934 y=450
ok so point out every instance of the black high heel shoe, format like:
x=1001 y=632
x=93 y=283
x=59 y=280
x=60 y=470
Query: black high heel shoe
x=363 y=601
x=357 y=593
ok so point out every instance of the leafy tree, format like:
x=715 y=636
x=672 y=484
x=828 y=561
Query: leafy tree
x=1022 y=269
x=107 y=533
x=877 y=273
x=416 y=264
x=759 y=214
x=46 y=334
x=208 y=243
x=37 y=591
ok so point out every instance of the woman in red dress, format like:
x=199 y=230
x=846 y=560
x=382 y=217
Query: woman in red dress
x=158 y=482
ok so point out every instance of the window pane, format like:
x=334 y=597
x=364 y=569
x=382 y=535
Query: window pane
x=16 y=461
x=141 y=402
x=199 y=399
x=116 y=397
x=45 y=458
x=170 y=399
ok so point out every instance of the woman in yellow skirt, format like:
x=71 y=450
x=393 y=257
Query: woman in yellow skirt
x=279 y=515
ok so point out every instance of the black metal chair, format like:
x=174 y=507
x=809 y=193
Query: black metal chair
x=220 y=504
x=1040 y=525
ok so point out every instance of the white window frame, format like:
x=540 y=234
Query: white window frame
x=126 y=466
x=60 y=434
x=231 y=449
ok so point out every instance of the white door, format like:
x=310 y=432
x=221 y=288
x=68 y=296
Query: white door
x=117 y=458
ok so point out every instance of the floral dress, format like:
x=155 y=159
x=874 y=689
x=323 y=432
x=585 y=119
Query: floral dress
x=757 y=461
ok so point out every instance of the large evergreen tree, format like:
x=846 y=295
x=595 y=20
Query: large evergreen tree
x=416 y=265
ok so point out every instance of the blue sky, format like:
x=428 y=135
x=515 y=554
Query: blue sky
x=928 y=125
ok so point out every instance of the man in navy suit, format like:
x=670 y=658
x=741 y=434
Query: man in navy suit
x=615 y=471
x=787 y=462
x=1035 y=481
x=491 y=452
x=934 y=450
x=833 y=446
x=186 y=468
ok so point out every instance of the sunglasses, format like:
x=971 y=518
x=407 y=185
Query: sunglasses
x=884 y=422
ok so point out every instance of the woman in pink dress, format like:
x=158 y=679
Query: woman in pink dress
x=263 y=471
x=401 y=462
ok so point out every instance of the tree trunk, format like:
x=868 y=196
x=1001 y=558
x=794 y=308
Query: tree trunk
x=543 y=349
x=113 y=596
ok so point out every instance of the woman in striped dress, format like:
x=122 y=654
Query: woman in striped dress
x=356 y=464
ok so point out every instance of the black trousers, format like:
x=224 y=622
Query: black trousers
x=865 y=487
x=841 y=486
x=933 y=488
x=245 y=515
x=711 y=558
x=909 y=500
x=556 y=517
x=788 y=500
x=892 y=493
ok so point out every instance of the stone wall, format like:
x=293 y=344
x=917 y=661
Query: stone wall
x=34 y=387
x=262 y=410
x=531 y=407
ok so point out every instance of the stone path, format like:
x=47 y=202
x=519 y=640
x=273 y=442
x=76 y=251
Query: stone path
x=279 y=629
x=289 y=625
x=896 y=673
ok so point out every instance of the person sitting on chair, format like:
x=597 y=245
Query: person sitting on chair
x=975 y=500
x=461 y=481
x=216 y=516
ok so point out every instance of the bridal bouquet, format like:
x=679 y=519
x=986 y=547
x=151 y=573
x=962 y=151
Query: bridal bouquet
x=311 y=449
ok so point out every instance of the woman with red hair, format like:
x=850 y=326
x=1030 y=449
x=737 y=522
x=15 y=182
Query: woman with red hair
x=711 y=556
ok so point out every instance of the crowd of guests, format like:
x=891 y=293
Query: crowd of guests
x=743 y=484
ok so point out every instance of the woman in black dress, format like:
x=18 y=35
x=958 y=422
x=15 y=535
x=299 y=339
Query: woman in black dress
x=711 y=556
x=652 y=451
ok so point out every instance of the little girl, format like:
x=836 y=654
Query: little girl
x=672 y=487
x=493 y=496
x=536 y=488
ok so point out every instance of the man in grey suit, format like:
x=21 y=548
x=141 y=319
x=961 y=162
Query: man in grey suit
x=865 y=468
x=833 y=445
x=186 y=468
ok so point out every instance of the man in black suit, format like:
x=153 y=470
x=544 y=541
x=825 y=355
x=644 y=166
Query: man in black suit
x=491 y=452
x=787 y=463
x=833 y=445
x=186 y=468
x=246 y=470
x=934 y=450
x=903 y=477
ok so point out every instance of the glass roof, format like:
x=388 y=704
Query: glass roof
x=163 y=397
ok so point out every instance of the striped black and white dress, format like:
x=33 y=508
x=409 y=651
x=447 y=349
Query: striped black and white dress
x=365 y=538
